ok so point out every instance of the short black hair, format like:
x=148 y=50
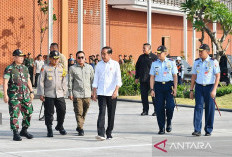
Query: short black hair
x=78 y=52
x=120 y=55
x=39 y=55
x=109 y=49
x=54 y=44
x=147 y=44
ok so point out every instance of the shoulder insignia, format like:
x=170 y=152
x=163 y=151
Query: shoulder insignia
x=197 y=59
x=170 y=59
x=42 y=69
x=212 y=59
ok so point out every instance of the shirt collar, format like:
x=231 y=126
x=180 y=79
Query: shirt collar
x=109 y=62
x=17 y=66
x=165 y=60
x=78 y=65
x=207 y=59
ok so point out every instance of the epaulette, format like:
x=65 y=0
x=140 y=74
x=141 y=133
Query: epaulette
x=212 y=59
x=170 y=59
x=197 y=59
x=155 y=60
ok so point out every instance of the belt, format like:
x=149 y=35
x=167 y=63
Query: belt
x=156 y=82
x=204 y=85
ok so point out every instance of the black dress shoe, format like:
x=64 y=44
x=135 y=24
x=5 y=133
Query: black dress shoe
x=81 y=132
x=109 y=136
x=169 y=128
x=196 y=133
x=144 y=113
x=61 y=130
x=24 y=133
x=154 y=114
x=16 y=136
x=161 y=131
x=50 y=132
x=207 y=134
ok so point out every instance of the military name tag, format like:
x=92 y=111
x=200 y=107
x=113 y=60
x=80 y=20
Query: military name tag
x=165 y=73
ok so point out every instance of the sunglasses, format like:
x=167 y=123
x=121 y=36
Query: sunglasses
x=80 y=57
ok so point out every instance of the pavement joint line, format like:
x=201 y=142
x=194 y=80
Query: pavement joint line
x=76 y=149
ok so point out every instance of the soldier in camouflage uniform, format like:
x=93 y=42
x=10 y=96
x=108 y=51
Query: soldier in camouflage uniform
x=18 y=93
x=28 y=62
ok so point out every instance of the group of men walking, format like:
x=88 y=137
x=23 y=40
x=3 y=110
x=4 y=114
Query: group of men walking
x=83 y=84
x=160 y=76
x=157 y=76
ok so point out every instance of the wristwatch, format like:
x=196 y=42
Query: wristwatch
x=191 y=90
x=32 y=92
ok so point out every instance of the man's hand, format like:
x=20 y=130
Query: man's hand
x=70 y=97
x=6 y=98
x=152 y=93
x=213 y=94
x=94 y=97
x=136 y=81
x=115 y=94
x=174 y=92
x=191 y=95
x=32 y=96
x=42 y=98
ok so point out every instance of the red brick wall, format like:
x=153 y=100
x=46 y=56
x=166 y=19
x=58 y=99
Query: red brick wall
x=19 y=28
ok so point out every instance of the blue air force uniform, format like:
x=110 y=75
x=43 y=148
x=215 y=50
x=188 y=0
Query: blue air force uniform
x=163 y=72
x=205 y=71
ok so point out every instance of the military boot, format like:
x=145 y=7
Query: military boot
x=16 y=136
x=50 y=132
x=24 y=133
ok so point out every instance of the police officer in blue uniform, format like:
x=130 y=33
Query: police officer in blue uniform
x=206 y=76
x=163 y=84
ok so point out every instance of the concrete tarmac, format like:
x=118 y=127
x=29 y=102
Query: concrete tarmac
x=133 y=135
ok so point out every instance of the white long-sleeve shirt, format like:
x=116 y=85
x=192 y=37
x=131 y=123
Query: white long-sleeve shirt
x=107 y=76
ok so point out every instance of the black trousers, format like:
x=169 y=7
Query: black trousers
x=30 y=69
x=104 y=101
x=145 y=88
x=36 y=79
x=60 y=105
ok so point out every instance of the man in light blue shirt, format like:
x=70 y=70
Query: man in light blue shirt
x=163 y=84
x=206 y=76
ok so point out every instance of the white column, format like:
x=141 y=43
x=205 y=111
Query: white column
x=80 y=25
x=185 y=37
x=194 y=43
x=103 y=23
x=215 y=31
x=149 y=16
x=50 y=23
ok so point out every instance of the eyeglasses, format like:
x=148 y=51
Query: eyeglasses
x=80 y=57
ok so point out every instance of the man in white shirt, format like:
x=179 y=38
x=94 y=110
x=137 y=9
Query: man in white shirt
x=37 y=68
x=107 y=80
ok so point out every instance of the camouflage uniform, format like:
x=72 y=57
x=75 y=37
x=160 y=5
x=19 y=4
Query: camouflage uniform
x=19 y=95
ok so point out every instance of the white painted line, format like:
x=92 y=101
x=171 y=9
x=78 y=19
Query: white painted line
x=76 y=149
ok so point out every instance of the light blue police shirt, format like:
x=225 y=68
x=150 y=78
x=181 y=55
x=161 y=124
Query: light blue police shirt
x=163 y=71
x=205 y=70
